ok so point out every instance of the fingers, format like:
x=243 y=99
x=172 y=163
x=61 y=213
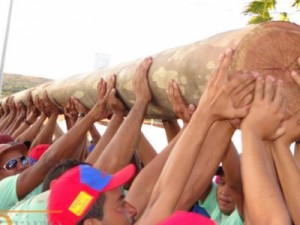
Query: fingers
x=259 y=89
x=269 y=89
x=223 y=70
x=111 y=83
x=145 y=66
x=248 y=81
x=279 y=97
x=296 y=77
x=241 y=112
x=214 y=74
x=101 y=87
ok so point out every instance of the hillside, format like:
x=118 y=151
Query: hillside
x=13 y=83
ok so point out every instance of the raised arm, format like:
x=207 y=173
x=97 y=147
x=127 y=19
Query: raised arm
x=286 y=166
x=120 y=149
x=215 y=104
x=33 y=122
x=62 y=149
x=263 y=123
x=45 y=136
x=20 y=117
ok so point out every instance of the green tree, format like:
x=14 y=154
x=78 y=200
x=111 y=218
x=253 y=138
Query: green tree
x=260 y=11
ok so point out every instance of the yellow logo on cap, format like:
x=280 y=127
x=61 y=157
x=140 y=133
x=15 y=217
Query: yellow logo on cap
x=81 y=202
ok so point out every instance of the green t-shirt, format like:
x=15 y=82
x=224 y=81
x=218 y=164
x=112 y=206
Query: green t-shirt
x=31 y=211
x=211 y=206
x=8 y=192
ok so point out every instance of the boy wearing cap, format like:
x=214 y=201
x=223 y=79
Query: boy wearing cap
x=214 y=105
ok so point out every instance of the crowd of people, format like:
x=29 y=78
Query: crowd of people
x=48 y=176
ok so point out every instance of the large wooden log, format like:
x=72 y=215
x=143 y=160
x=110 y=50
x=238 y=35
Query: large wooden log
x=269 y=48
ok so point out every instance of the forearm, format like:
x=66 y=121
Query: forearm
x=172 y=128
x=9 y=121
x=65 y=146
x=140 y=191
x=145 y=150
x=45 y=136
x=297 y=153
x=258 y=184
x=95 y=134
x=289 y=176
x=30 y=133
x=110 y=131
x=181 y=161
x=208 y=160
x=232 y=168
x=58 y=132
x=120 y=149
x=16 y=123
x=4 y=120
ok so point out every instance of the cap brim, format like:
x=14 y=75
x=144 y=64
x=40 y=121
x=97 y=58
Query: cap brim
x=21 y=147
x=121 y=177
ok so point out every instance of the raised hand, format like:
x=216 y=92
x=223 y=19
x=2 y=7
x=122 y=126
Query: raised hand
x=100 y=111
x=218 y=96
x=140 y=81
x=79 y=106
x=243 y=96
x=31 y=109
x=181 y=108
x=292 y=127
x=70 y=110
x=21 y=110
x=115 y=103
x=267 y=110
x=50 y=107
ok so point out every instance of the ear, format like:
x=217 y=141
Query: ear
x=92 y=221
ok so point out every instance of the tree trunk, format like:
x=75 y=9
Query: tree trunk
x=269 y=48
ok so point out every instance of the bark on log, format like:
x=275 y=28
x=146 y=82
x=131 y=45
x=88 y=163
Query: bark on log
x=269 y=48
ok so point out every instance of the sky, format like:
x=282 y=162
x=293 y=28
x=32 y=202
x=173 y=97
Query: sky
x=60 y=38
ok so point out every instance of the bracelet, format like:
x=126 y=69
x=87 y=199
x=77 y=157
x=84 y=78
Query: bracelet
x=82 y=114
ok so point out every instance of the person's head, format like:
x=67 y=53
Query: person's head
x=58 y=170
x=85 y=195
x=13 y=159
x=225 y=201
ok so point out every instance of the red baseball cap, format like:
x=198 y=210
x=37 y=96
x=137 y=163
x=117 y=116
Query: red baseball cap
x=73 y=193
x=184 y=218
x=36 y=152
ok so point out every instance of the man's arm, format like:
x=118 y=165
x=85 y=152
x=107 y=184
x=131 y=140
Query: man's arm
x=63 y=148
x=215 y=104
x=262 y=124
x=145 y=150
x=45 y=136
x=287 y=168
x=232 y=169
x=21 y=115
x=120 y=149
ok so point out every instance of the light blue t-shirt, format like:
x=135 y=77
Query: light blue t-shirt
x=8 y=192
x=30 y=211
x=211 y=206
